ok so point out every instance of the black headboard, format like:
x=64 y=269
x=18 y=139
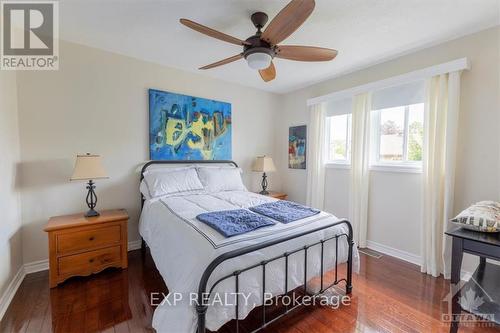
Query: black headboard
x=148 y=164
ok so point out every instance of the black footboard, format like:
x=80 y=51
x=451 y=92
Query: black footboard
x=204 y=295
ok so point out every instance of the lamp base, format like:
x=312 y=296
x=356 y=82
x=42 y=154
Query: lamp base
x=264 y=185
x=92 y=213
x=91 y=200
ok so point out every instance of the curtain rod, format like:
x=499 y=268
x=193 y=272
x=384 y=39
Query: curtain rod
x=420 y=74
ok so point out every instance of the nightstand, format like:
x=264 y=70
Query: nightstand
x=277 y=195
x=484 y=282
x=80 y=245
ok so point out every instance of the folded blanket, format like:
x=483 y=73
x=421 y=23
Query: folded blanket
x=284 y=211
x=234 y=222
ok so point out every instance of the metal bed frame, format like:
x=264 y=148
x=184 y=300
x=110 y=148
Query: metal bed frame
x=204 y=293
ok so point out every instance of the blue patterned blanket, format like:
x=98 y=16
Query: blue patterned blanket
x=234 y=222
x=284 y=211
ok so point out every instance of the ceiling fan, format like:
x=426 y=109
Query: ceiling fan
x=260 y=49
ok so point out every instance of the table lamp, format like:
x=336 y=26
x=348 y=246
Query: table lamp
x=263 y=164
x=89 y=167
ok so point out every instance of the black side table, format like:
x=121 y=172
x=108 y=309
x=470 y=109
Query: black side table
x=485 y=281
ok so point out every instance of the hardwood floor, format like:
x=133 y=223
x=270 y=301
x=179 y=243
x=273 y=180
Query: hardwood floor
x=389 y=296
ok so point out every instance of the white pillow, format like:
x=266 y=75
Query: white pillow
x=160 y=183
x=483 y=216
x=221 y=179
x=144 y=190
x=143 y=187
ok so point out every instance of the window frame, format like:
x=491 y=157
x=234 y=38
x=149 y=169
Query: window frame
x=340 y=164
x=392 y=166
x=375 y=164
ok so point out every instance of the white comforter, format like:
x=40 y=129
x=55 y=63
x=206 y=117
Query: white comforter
x=182 y=247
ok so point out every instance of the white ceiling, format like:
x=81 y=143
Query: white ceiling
x=363 y=31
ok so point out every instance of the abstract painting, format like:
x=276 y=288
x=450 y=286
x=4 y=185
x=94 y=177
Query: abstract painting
x=297 y=136
x=184 y=127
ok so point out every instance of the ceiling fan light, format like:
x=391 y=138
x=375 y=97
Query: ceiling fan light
x=259 y=60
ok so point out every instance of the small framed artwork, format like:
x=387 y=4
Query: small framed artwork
x=185 y=127
x=297 y=136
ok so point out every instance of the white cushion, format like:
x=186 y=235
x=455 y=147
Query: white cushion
x=144 y=190
x=218 y=179
x=143 y=187
x=482 y=216
x=161 y=182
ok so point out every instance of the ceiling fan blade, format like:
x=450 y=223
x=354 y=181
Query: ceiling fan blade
x=305 y=53
x=212 y=33
x=223 y=61
x=268 y=74
x=287 y=21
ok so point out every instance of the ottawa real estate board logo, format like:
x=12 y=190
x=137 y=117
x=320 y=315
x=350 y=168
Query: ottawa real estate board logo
x=29 y=35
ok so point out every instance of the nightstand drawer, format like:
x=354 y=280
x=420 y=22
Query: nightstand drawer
x=89 y=262
x=88 y=239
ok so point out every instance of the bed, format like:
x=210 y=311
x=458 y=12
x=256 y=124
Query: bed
x=200 y=266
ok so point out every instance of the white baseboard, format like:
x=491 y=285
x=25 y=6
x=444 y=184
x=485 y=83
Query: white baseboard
x=36 y=266
x=10 y=291
x=43 y=265
x=134 y=245
x=33 y=267
x=390 y=251
x=406 y=256
x=465 y=275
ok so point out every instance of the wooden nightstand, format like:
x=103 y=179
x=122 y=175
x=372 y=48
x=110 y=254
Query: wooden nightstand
x=277 y=195
x=81 y=245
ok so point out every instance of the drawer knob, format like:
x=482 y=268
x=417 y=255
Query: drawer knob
x=91 y=238
x=91 y=260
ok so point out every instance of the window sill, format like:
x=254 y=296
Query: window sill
x=338 y=165
x=396 y=168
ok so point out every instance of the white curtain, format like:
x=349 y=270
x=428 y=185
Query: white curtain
x=439 y=155
x=316 y=156
x=360 y=177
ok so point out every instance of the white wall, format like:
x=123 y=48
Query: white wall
x=395 y=197
x=10 y=226
x=97 y=102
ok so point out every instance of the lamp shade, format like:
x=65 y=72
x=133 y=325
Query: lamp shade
x=88 y=167
x=263 y=164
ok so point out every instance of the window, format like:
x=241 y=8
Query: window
x=397 y=127
x=396 y=132
x=338 y=131
x=391 y=129
x=339 y=138
x=415 y=132
x=398 y=135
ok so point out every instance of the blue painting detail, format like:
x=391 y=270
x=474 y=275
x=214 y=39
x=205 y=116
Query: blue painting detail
x=184 y=127
x=297 y=137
